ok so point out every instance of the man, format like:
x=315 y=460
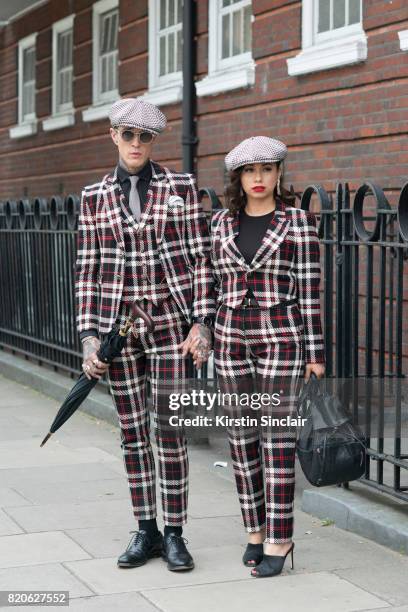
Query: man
x=144 y=237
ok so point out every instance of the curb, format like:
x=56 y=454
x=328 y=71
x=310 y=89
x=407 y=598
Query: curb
x=363 y=511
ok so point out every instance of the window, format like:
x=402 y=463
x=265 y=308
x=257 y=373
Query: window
x=105 y=59
x=403 y=38
x=165 y=51
x=335 y=15
x=28 y=85
x=230 y=62
x=63 y=85
x=169 y=35
x=62 y=75
x=27 y=121
x=235 y=28
x=332 y=36
x=108 y=56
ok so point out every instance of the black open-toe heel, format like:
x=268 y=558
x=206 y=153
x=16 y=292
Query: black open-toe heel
x=272 y=565
x=253 y=554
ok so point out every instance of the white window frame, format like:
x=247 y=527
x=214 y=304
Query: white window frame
x=327 y=50
x=224 y=74
x=403 y=38
x=166 y=89
x=100 y=104
x=28 y=126
x=64 y=117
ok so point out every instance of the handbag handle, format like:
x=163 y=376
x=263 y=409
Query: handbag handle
x=311 y=386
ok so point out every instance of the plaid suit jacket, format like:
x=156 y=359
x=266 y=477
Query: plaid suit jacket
x=183 y=242
x=286 y=266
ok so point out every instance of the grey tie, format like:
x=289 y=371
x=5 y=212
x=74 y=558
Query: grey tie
x=134 y=199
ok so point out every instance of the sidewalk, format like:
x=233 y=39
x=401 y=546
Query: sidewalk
x=65 y=516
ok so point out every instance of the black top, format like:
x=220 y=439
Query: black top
x=251 y=231
x=144 y=174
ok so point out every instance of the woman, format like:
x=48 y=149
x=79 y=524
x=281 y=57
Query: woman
x=267 y=335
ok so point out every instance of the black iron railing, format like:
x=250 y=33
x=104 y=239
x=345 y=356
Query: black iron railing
x=37 y=253
x=364 y=258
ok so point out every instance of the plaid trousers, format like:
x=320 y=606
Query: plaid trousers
x=152 y=354
x=262 y=351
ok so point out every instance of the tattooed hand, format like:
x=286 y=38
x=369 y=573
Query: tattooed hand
x=198 y=343
x=92 y=367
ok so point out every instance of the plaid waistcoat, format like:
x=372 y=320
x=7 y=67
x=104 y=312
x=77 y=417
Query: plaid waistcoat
x=145 y=276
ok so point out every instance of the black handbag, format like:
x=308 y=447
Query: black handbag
x=331 y=450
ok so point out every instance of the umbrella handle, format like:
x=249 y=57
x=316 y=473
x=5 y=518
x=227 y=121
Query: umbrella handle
x=137 y=313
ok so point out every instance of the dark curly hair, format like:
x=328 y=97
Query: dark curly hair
x=236 y=199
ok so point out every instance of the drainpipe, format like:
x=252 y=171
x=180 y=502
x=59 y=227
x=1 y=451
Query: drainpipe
x=189 y=138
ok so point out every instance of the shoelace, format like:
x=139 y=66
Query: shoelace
x=137 y=538
x=178 y=537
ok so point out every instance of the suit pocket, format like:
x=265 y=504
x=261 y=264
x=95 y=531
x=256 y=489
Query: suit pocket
x=284 y=323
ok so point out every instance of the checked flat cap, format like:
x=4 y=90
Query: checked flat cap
x=257 y=149
x=136 y=113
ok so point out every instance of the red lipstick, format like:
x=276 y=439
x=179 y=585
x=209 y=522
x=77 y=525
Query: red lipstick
x=258 y=188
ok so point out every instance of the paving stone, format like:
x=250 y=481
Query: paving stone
x=7 y=525
x=53 y=517
x=75 y=491
x=36 y=548
x=10 y=497
x=27 y=453
x=317 y=592
x=48 y=474
x=103 y=576
x=386 y=577
x=44 y=577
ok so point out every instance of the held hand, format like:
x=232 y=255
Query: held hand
x=316 y=368
x=92 y=367
x=198 y=343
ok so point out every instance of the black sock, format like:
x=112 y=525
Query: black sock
x=149 y=525
x=170 y=529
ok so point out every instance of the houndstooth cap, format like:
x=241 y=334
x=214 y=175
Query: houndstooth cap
x=137 y=113
x=257 y=149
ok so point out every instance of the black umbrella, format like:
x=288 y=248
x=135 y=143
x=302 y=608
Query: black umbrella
x=110 y=348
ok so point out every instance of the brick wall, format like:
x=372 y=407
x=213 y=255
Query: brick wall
x=347 y=124
x=344 y=124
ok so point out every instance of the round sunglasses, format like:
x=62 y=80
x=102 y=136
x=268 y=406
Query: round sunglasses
x=129 y=135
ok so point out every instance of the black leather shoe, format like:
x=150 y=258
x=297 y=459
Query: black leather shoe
x=141 y=548
x=176 y=554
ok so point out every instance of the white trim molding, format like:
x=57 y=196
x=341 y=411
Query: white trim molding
x=26 y=126
x=168 y=88
x=168 y=94
x=100 y=104
x=94 y=113
x=403 y=37
x=66 y=116
x=23 y=129
x=57 y=122
x=224 y=74
x=24 y=11
x=338 y=47
x=242 y=76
